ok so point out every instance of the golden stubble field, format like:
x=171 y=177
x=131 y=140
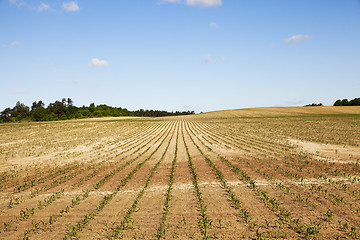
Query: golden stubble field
x=265 y=173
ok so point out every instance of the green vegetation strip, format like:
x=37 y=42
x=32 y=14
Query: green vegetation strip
x=161 y=230
x=204 y=221
x=32 y=183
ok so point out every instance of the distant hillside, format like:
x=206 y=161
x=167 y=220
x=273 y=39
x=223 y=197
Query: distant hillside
x=281 y=111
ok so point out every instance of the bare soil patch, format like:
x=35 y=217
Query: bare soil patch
x=329 y=152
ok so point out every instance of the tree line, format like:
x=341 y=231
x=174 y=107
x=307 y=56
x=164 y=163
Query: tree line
x=346 y=102
x=64 y=109
x=158 y=113
x=339 y=102
x=314 y=105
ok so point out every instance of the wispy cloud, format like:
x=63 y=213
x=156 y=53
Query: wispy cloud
x=208 y=58
x=98 y=63
x=199 y=3
x=214 y=25
x=204 y=3
x=18 y=3
x=13 y=44
x=71 y=6
x=169 y=1
x=297 y=38
x=44 y=7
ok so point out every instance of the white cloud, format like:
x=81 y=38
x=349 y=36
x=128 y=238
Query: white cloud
x=214 y=25
x=98 y=63
x=18 y=3
x=200 y=3
x=169 y=1
x=13 y=44
x=297 y=38
x=208 y=58
x=71 y=7
x=44 y=7
x=204 y=3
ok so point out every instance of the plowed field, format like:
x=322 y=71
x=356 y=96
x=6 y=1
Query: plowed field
x=266 y=173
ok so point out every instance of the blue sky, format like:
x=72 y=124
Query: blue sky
x=201 y=55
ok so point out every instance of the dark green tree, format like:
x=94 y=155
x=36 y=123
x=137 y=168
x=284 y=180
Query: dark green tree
x=69 y=102
x=20 y=111
x=37 y=105
x=355 y=102
x=345 y=102
x=6 y=115
x=41 y=114
x=58 y=108
x=338 y=103
x=92 y=107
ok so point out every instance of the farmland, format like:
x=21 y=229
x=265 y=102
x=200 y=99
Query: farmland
x=261 y=173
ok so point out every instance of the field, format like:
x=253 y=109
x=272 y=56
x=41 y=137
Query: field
x=264 y=173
